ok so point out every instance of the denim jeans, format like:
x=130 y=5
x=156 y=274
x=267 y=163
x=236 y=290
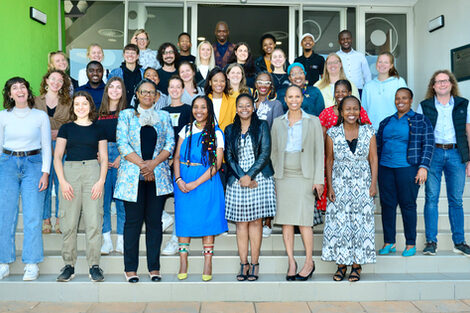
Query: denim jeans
x=20 y=176
x=109 y=185
x=397 y=187
x=450 y=162
x=48 y=198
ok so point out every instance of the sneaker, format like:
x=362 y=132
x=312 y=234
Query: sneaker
x=4 y=270
x=96 y=274
x=120 y=244
x=430 y=248
x=31 y=272
x=267 y=231
x=462 y=248
x=67 y=273
x=107 y=246
x=171 y=248
x=167 y=221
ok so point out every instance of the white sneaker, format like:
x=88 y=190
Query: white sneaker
x=267 y=231
x=107 y=246
x=171 y=248
x=167 y=221
x=4 y=270
x=120 y=244
x=31 y=272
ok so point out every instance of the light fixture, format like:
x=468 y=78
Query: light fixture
x=37 y=15
x=201 y=38
x=243 y=1
x=436 y=23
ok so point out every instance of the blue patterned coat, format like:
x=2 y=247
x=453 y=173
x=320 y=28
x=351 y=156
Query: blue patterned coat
x=128 y=141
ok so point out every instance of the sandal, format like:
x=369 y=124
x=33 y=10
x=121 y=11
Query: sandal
x=208 y=251
x=252 y=276
x=183 y=248
x=46 y=228
x=243 y=273
x=355 y=274
x=57 y=227
x=340 y=273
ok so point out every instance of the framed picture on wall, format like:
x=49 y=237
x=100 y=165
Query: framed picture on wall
x=460 y=62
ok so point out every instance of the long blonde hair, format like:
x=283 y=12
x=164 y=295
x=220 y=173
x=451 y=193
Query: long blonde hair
x=212 y=58
x=242 y=88
x=326 y=81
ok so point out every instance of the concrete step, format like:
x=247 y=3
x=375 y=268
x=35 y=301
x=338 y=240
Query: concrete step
x=270 y=287
x=228 y=262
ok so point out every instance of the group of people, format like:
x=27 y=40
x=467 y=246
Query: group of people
x=253 y=142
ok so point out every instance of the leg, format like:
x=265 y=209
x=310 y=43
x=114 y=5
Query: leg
x=208 y=244
x=183 y=250
x=433 y=188
x=255 y=229
x=407 y=193
x=288 y=237
x=153 y=227
x=132 y=230
x=242 y=243
x=388 y=202
x=307 y=239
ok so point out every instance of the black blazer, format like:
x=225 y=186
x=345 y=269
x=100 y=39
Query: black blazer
x=261 y=148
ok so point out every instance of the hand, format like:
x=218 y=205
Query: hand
x=98 y=157
x=191 y=186
x=253 y=184
x=67 y=190
x=97 y=190
x=467 y=169
x=245 y=181
x=331 y=194
x=372 y=190
x=146 y=167
x=182 y=186
x=134 y=40
x=421 y=176
x=54 y=133
x=43 y=182
x=319 y=188
x=116 y=162
x=149 y=177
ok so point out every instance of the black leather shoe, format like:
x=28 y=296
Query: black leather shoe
x=304 y=278
x=291 y=277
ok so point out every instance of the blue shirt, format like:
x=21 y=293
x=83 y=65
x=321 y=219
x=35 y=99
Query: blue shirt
x=294 y=135
x=96 y=94
x=395 y=141
x=222 y=48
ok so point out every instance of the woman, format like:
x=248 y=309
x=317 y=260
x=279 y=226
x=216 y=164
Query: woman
x=147 y=57
x=199 y=194
x=94 y=52
x=217 y=90
x=114 y=101
x=331 y=74
x=236 y=79
x=205 y=61
x=266 y=106
x=279 y=69
x=55 y=101
x=378 y=94
x=242 y=55
x=329 y=118
x=351 y=172
x=250 y=193
x=187 y=72
x=161 y=100
x=25 y=162
x=405 y=144
x=268 y=44
x=81 y=181
x=298 y=166
x=145 y=141
x=58 y=61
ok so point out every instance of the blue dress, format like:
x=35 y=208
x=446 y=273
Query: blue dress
x=200 y=212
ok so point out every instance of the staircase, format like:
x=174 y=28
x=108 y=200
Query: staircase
x=444 y=276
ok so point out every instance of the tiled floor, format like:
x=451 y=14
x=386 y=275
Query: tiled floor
x=239 y=307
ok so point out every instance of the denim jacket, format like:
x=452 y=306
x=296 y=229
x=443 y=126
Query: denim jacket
x=420 y=142
x=128 y=141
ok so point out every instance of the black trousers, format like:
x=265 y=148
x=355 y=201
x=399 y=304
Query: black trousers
x=148 y=208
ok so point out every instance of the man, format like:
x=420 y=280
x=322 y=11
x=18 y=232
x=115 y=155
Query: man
x=313 y=63
x=355 y=64
x=129 y=71
x=168 y=56
x=313 y=100
x=184 y=44
x=222 y=48
x=95 y=85
x=450 y=118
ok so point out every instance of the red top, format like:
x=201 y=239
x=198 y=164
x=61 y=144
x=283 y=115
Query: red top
x=329 y=119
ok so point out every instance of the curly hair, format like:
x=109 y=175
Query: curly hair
x=162 y=49
x=8 y=102
x=430 y=93
x=64 y=94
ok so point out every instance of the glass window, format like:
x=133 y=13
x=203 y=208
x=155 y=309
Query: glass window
x=324 y=26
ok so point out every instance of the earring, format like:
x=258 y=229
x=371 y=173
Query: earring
x=11 y=99
x=47 y=87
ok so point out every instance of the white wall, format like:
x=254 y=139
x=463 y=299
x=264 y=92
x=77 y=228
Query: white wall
x=432 y=50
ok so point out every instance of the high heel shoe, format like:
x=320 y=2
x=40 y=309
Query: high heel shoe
x=208 y=251
x=244 y=270
x=131 y=279
x=155 y=277
x=304 y=278
x=252 y=276
x=183 y=248
x=291 y=277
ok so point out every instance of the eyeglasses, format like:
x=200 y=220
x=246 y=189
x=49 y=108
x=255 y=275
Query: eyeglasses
x=147 y=92
x=141 y=39
x=332 y=63
x=168 y=52
x=442 y=82
x=263 y=83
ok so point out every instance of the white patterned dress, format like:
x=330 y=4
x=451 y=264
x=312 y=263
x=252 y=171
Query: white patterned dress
x=349 y=233
x=243 y=204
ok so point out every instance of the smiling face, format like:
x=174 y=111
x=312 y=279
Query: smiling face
x=152 y=75
x=340 y=92
x=297 y=76
x=131 y=56
x=403 y=101
x=200 y=111
x=184 y=43
x=205 y=51
x=307 y=43
x=442 y=85
x=81 y=107
x=59 y=62
x=19 y=93
x=115 y=90
x=235 y=75
x=186 y=72
x=345 y=41
x=55 y=82
x=294 y=99
x=175 y=89
x=142 y=41
x=218 y=83
x=268 y=46
x=350 y=111
x=245 y=108
x=384 y=64
x=333 y=65
x=221 y=32
x=146 y=95
x=278 y=59
x=169 y=56
x=94 y=73
x=96 y=54
x=242 y=54
x=263 y=84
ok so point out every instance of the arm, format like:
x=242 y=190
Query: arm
x=467 y=131
x=176 y=167
x=319 y=103
x=318 y=158
x=329 y=168
x=230 y=156
x=365 y=70
x=46 y=150
x=98 y=187
x=373 y=162
x=65 y=187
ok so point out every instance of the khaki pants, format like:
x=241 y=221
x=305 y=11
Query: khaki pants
x=82 y=175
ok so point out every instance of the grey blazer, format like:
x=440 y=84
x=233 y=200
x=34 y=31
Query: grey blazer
x=312 y=157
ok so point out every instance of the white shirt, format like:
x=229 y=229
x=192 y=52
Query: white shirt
x=203 y=69
x=219 y=136
x=25 y=130
x=217 y=106
x=355 y=67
